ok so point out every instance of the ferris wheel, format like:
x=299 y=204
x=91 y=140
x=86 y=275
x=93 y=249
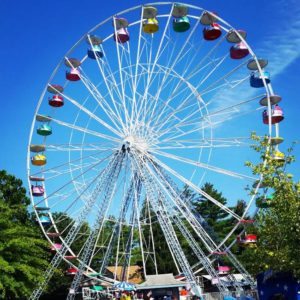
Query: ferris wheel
x=151 y=101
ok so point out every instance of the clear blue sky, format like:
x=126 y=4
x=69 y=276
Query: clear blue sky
x=36 y=34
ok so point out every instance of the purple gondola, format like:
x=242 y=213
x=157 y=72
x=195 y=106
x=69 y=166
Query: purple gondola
x=121 y=36
x=277 y=115
x=37 y=190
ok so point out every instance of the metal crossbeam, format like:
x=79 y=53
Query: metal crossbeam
x=98 y=225
x=117 y=228
x=128 y=247
x=166 y=225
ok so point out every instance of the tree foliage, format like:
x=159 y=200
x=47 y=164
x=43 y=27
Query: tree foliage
x=218 y=221
x=278 y=226
x=22 y=250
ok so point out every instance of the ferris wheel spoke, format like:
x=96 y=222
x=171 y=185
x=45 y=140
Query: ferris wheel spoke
x=175 y=93
x=115 y=119
x=110 y=74
x=178 y=122
x=157 y=119
x=156 y=112
x=224 y=114
x=223 y=78
x=155 y=61
x=205 y=166
x=219 y=87
x=217 y=66
x=138 y=63
x=98 y=97
x=84 y=109
x=72 y=180
x=195 y=71
x=81 y=147
x=205 y=143
x=101 y=66
x=132 y=86
x=196 y=188
x=182 y=106
x=66 y=164
x=85 y=130
x=201 y=82
x=120 y=65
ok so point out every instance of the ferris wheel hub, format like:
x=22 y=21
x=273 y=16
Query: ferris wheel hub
x=137 y=142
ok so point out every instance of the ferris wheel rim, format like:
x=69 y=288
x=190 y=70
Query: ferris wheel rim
x=95 y=28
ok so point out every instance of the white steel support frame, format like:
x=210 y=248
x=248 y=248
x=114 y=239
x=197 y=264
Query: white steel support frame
x=92 y=238
x=165 y=223
x=202 y=229
x=117 y=227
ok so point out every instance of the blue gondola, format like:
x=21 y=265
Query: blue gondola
x=95 y=52
x=181 y=24
x=44 y=130
x=45 y=220
x=256 y=80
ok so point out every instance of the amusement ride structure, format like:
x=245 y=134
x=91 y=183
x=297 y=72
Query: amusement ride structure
x=148 y=103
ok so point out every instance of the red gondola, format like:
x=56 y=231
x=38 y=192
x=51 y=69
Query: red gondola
x=212 y=32
x=73 y=75
x=72 y=271
x=56 y=101
x=239 y=51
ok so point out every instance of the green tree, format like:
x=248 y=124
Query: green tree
x=278 y=226
x=164 y=260
x=217 y=219
x=60 y=282
x=22 y=250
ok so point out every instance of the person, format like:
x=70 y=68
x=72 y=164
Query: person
x=140 y=296
x=123 y=296
x=128 y=296
x=183 y=293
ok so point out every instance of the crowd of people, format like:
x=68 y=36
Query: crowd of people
x=137 y=295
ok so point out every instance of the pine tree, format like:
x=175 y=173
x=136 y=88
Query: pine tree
x=216 y=218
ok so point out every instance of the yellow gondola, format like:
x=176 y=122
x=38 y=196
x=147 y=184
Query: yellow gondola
x=279 y=156
x=39 y=160
x=150 y=25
